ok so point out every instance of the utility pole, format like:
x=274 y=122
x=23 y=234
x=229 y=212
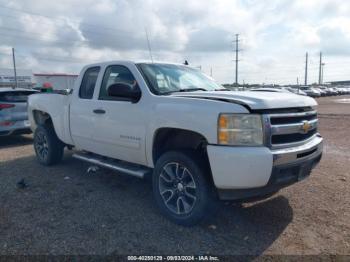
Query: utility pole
x=320 y=70
x=323 y=64
x=298 y=85
x=211 y=71
x=236 y=60
x=306 y=65
x=14 y=66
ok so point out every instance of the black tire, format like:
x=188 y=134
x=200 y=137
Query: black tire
x=48 y=147
x=175 y=209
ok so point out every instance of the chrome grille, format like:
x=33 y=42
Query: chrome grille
x=289 y=129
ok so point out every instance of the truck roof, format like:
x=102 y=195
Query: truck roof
x=132 y=62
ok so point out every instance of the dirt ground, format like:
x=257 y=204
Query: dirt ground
x=65 y=210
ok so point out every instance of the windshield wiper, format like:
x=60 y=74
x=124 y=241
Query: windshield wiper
x=191 y=89
x=223 y=89
x=184 y=90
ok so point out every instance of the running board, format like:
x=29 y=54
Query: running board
x=117 y=165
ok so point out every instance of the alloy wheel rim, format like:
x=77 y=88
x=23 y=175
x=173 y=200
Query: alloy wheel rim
x=41 y=145
x=177 y=188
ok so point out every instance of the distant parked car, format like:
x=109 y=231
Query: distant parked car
x=346 y=90
x=275 y=89
x=297 y=91
x=310 y=91
x=326 y=90
x=322 y=92
x=338 y=90
x=334 y=91
x=331 y=92
x=270 y=89
x=283 y=89
x=342 y=90
x=13 y=111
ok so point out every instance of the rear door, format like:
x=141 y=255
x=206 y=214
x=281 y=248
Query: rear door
x=81 y=110
x=13 y=109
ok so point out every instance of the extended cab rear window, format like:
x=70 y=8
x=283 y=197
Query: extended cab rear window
x=15 y=96
x=88 y=83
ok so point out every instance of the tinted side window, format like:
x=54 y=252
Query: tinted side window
x=115 y=74
x=88 y=83
x=16 y=96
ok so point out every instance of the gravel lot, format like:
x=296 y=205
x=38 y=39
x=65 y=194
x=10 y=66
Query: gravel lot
x=65 y=210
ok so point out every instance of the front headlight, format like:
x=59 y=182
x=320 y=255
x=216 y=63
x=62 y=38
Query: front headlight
x=240 y=130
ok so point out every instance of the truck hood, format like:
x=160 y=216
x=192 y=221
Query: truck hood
x=254 y=100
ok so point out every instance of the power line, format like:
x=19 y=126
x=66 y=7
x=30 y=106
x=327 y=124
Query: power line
x=63 y=60
x=51 y=58
x=19 y=30
x=48 y=41
x=44 y=38
x=116 y=32
x=1 y=53
x=59 y=18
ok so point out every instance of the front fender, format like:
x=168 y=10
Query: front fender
x=191 y=114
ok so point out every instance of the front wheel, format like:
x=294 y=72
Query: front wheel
x=181 y=188
x=48 y=147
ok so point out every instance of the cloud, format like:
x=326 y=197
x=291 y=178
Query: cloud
x=335 y=37
x=65 y=35
x=209 y=39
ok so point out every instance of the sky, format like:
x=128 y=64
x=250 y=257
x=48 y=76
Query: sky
x=63 y=36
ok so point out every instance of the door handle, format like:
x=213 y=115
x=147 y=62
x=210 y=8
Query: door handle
x=99 y=111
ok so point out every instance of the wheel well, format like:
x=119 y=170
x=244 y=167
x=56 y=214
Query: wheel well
x=170 y=139
x=42 y=118
x=167 y=139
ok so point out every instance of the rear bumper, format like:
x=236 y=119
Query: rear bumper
x=18 y=127
x=21 y=131
x=244 y=172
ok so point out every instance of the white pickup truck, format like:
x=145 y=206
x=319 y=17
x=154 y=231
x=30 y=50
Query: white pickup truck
x=197 y=140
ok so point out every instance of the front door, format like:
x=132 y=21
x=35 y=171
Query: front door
x=119 y=126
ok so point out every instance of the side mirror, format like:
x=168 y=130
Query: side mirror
x=125 y=92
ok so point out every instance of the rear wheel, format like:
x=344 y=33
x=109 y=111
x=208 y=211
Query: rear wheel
x=48 y=147
x=180 y=187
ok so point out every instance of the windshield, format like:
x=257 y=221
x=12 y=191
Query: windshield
x=168 y=78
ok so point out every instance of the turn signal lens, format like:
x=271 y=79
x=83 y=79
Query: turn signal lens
x=223 y=121
x=223 y=137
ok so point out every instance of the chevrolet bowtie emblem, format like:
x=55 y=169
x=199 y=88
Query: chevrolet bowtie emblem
x=306 y=126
